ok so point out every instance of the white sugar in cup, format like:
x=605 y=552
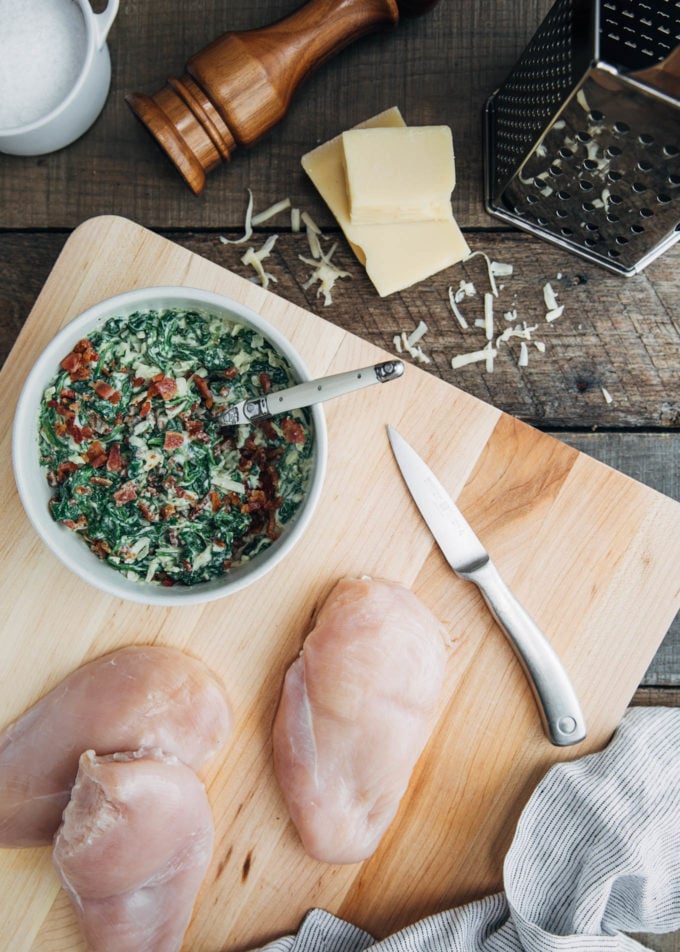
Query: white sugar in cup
x=55 y=72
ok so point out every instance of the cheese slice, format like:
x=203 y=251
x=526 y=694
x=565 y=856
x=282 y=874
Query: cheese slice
x=398 y=174
x=395 y=256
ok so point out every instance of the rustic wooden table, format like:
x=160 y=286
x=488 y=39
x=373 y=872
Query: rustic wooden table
x=619 y=334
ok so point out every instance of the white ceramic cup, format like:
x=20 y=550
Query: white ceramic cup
x=76 y=113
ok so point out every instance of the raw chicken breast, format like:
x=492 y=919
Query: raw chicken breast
x=355 y=713
x=133 y=698
x=133 y=849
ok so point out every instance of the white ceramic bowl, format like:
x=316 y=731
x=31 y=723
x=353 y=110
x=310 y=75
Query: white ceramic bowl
x=79 y=109
x=35 y=492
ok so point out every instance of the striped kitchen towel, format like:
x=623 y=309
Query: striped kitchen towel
x=596 y=855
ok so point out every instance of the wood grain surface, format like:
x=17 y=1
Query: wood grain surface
x=591 y=553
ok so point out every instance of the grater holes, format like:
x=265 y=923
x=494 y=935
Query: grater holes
x=622 y=128
x=595 y=116
x=588 y=206
x=613 y=219
x=614 y=176
x=646 y=213
x=671 y=150
x=646 y=139
x=566 y=153
x=637 y=229
x=585 y=185
x=645 y=166
x=590 y=165
x=613 y=151
x=663 y=199
x=583 y=136
x=621 y=240
x=674 y=179
x=563 y=195
x=639 y=187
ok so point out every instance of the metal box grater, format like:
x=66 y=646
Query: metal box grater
x=583 y=138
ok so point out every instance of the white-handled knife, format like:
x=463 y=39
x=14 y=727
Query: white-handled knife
x=310 y=392
x=557 y=701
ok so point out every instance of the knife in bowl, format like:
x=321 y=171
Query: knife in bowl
x=558 y=704
x=305 y=394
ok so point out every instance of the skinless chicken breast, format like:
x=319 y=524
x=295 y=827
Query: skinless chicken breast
x=355 y=714
x=137 y=697
x=133 y=849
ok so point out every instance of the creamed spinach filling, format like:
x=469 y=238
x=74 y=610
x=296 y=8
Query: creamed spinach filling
x=140 y=467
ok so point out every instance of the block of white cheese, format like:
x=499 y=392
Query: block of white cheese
x=398 y=174
x=397 y=255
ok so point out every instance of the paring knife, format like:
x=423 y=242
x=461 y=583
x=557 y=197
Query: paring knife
x=310 y=392
x=557 y=701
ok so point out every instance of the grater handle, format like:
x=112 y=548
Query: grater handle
x=664 y=76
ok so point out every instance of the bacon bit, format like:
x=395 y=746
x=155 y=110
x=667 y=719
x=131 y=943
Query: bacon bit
x=94 y=450
x=101 y=548
x=204 y=390
x=231 y=372
x=167 y=512
x=71 y=362
x=173 y=440
x=215 y=500
x=292 y=431
x=80 y=523
x=195 y=431
x=265 y=382
x=100 y=481
x=82 y=490
x=107 y=392
x=268 y=429
x=138 y=381
x=145 y=409
x=115 y=461
x=148 y=514
x=63 y=470
x=161 y=386
x=76 y=363
x=75 y=432
x=126 y=493
x=256 y=500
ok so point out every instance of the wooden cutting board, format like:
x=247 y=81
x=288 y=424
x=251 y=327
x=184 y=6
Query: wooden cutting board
x=591 y=553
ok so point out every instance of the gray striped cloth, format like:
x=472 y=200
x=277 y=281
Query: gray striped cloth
x=596 y=855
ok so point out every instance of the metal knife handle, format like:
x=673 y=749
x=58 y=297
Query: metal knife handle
x=326 y=388
x=557 y=701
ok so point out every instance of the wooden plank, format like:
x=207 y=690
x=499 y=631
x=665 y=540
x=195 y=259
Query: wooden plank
x=601 y=543
x=623 y=335
x=654 y=459
x=438 y=69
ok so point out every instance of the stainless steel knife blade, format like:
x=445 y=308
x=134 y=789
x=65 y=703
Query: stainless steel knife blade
x=311 y=391
x=557 y=701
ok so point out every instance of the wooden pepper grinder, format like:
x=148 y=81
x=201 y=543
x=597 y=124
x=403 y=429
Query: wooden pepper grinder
x=241 y=84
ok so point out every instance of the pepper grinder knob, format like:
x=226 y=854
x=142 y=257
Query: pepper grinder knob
x=240 y=85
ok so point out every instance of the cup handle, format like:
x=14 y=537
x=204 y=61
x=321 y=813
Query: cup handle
x=104 y=21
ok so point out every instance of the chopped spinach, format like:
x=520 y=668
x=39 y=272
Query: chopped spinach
x=139 y=466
